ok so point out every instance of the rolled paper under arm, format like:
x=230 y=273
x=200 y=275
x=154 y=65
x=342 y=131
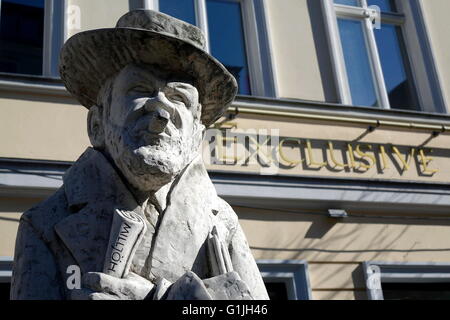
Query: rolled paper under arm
x=219 y=256
x=127 y=231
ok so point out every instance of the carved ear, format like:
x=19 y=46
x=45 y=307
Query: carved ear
x=198 y=137
x=95 y=127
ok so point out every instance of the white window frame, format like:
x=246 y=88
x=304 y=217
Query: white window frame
x=425 y=77
x=376 y=273
x=54 y=36
x=6 y=269
x=258 y=50
x=293 y=273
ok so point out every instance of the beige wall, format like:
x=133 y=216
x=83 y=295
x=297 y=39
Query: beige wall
x=298 y=39
x=302 y=59
x=39 y=127
x=436 y=16
x=54 y=128
x=335 y=249
x=96 y=14
x=297 y=53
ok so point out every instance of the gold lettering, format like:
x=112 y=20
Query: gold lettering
x=406 y=162
x=311 y=162
x=225 y=125
x=351 y=156
x=336 y=163
x=365 y=155
x=259 y=150
x=222 y=152
x=384 y=158
x=425 y=162
x=283 y=155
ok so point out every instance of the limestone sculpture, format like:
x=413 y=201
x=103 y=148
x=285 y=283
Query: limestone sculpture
x=138 y=213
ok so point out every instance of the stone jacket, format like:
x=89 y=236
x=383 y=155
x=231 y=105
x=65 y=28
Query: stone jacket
x=72 y=228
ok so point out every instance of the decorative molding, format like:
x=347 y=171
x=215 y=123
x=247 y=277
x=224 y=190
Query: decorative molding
x=34 y=178
x=293 y=273
x=6 y=265
x=291 y=193
x=376 y=272
x=294 y=108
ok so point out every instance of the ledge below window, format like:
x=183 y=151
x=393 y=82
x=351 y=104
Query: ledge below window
x=291 y=108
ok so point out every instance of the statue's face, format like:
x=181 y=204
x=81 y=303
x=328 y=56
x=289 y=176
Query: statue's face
x=152 y=126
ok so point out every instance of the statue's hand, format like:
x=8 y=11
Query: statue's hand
x=100 y=286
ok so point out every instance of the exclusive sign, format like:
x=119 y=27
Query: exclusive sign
x=268 y=152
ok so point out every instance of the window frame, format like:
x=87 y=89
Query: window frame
x=54 y=37
x=419 y=56
x=293 y=273
x=257 y=45
x=6 y=264
x=402 y=272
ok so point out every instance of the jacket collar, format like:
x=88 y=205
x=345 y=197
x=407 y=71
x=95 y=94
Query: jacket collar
x=91 y=179
x=94 y=189
x=179 y=243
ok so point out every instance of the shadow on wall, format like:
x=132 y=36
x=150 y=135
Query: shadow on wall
x=315 y=237
x=322 y=50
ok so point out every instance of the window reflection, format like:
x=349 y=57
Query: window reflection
x=21 y=36
x=226 y=35
x=396 y=76
x=357 y=63
x=180 y=9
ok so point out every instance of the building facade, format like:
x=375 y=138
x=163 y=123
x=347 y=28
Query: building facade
x=335 y=154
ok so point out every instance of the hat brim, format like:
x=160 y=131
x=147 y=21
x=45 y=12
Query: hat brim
x=89 y=58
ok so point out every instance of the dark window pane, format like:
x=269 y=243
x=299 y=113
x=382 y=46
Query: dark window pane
x=22 y=36
x=348 y=2
x=385 y=5
x=226 y=35
x=395 y=69
x=276 y=290
x=357 y=63
x=180 y=9
x=416 y=291
x=4 y=291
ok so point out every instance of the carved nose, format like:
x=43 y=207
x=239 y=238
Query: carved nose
x=163 y=115
x=160 y=109
x=159 y=120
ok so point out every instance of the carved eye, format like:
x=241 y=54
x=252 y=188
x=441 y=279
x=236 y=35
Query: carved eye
x=177 y=98
x=140 y=89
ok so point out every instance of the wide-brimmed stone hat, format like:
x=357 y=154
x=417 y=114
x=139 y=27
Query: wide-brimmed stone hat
x=89 y=58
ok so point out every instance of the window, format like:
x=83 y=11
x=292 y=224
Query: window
x=231 y=28
x=371 y=43
x=29 y=37
x=285 y=279
x=22 y=36
x=407 y=281
x=5 y=277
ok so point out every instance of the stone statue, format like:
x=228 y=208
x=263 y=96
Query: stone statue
x=138 y=213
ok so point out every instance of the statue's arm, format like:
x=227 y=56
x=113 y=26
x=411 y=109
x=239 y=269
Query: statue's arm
x=245 y=265
x=35 y=273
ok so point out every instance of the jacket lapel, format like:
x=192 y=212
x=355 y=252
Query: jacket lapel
x=93 y=190
x=179 y=244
